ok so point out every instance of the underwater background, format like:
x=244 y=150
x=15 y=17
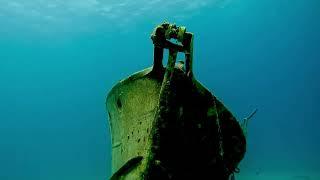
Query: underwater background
x=59 y=59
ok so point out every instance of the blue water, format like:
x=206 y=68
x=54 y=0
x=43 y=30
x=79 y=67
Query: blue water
x=59 y=58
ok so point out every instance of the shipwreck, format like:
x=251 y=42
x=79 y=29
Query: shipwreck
x=166 y=125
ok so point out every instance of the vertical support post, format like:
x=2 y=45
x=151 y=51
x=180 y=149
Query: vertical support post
x=157 y=59
x=188 y=43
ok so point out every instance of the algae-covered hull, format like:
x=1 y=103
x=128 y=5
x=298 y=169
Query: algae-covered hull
x=188 y=139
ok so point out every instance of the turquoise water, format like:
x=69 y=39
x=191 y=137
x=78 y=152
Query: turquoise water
x=59 y=58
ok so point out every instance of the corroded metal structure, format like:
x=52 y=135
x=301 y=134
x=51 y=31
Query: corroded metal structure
x=167 y=125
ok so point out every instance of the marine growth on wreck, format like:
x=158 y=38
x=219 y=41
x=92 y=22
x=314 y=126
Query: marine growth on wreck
x=166 y=125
